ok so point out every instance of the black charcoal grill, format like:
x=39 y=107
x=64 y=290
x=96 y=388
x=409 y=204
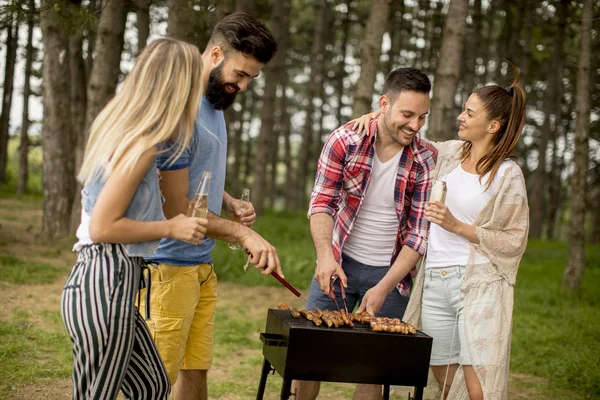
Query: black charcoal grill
x=297 y=349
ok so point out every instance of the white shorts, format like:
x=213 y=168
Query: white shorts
x=442 y=315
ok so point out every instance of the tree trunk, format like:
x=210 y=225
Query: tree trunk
x=472 y=51
x=492 y=40
x=143 y=23
x=290 y=176
x=94 y=8
x=78 y=94
x=24 y=142
x=369 y=57
x=312 y=86
x=441 y=125
x=12 y=43
x=341 y=65
x=104 y=77
x=574 y=270
x=264 y=144
x=58 y=161
x=555 y=190
x=539 y=199
x=235 y=124
x=181 y=20
x=251 y=104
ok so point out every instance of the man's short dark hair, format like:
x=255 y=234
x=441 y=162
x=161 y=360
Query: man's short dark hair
x=405 y=79
x=241 y=31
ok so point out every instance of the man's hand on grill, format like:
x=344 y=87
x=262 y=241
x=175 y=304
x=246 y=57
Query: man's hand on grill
x=373 y=300
x=262 y=253
x=326 y=268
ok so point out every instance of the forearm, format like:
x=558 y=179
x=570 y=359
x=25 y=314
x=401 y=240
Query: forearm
x=227 y=199
x=175 y=206
x=126 y=230
x=405 y=261
x=465 y=230
x=321 y=230
x=224 y=229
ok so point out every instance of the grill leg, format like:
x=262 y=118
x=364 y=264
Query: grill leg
x=386 y=392
x=286 y=389
x=418 y=393
x=266 y=368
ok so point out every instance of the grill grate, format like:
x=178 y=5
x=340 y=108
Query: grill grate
x=303 y=323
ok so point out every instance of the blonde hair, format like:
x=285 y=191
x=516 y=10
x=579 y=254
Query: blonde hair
x=157 y=103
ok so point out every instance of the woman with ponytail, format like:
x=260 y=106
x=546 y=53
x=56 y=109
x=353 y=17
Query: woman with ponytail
x=462 y=295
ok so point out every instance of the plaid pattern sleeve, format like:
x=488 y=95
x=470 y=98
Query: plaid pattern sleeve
x=325 y=196
x=417 y=234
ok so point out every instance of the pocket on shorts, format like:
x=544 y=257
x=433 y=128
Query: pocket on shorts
x=175 y=290
x=169 y=336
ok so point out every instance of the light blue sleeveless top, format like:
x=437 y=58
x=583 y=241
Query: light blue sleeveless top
x=146 y=205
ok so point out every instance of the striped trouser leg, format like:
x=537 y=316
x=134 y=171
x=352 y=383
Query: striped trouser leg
x=98 y=308
x=146 y=376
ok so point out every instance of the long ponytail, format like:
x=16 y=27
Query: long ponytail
x=507 y=106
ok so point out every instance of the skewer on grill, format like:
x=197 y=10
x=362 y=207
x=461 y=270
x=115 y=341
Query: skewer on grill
x=340 y=318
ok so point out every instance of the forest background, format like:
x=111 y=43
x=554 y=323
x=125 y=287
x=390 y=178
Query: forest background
x=63 y=60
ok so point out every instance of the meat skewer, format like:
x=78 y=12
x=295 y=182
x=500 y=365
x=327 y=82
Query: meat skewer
x=341 y=318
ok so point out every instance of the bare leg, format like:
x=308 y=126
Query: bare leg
x=439 y=372
x=473 y=384
x=307 y=390
x=191 y=385
x=368 y=392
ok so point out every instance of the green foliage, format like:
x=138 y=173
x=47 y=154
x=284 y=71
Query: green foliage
x=289 y=233
x=34 y=187
x=21 y=272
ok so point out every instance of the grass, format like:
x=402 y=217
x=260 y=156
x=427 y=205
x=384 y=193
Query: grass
x=26 y=272
x=556 y=336
x=28 y=353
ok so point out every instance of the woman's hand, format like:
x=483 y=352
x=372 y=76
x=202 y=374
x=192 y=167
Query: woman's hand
x=438 y=213
x=362 y=122
x=189 y=229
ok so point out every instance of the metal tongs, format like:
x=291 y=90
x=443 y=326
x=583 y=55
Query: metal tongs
x=281 y=280
x=334 y=298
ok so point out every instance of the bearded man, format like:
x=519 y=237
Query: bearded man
x=184 y=291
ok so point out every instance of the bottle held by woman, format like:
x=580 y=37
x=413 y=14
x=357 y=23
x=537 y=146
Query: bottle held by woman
x=463 y=293
x=122 y=222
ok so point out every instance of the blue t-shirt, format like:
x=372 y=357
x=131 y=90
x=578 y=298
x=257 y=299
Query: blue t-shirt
x=207 y=151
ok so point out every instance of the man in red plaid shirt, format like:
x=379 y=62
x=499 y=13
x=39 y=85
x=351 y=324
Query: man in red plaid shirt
x=367 y=208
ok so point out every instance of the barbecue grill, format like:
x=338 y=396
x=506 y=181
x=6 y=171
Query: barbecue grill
x=297 y=349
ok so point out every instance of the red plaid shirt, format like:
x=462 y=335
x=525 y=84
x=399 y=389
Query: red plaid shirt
x=343 y=176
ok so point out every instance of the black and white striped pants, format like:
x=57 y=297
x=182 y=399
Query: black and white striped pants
x=112 y=347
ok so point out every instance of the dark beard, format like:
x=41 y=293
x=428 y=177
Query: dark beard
x=216 y=93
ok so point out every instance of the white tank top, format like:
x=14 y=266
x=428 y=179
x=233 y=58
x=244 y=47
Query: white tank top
x=465 y=198
x=374 y=232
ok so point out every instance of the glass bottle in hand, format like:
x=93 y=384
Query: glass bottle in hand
x=198 y=207
x=245 y=199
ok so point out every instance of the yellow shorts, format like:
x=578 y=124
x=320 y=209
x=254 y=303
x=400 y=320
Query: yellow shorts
x=182 y=306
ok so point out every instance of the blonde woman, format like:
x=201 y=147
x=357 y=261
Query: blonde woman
x=463 y=293
x=122 y=222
